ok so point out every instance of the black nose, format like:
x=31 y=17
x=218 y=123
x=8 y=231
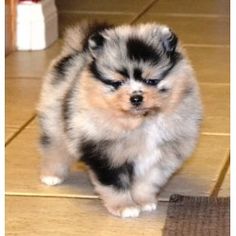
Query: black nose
x=136 y=100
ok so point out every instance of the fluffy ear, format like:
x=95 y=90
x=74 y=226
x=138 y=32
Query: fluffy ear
x=169 y=40
x=95 y=43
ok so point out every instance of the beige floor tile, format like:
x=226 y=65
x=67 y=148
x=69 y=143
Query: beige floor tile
x=102 y=5
x=195 y=30
x=21 y=98
x=70 y=19
x=220 y=7
x=210 y=64
x=216 y=102
x=67 y=217
x=22 y=170
x=225 y=187
x=31 y=63
x=199 y=174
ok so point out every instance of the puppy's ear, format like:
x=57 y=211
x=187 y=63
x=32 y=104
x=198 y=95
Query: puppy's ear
x=95 y=43
x=169 y=41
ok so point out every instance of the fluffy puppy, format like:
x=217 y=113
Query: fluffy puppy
x=125 y=101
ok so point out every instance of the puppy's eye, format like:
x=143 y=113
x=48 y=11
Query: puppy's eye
x=114 y=84
x=152 y=82
x=117 y=84
x=163 y=90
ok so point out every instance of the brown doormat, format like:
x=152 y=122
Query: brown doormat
x=197 y=216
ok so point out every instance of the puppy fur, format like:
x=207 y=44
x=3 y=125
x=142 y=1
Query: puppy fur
x=125 y=101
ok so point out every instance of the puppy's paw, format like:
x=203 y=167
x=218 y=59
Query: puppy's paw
x=149 y=207
x=51 y=180
x=125 y=212
x=130 y=212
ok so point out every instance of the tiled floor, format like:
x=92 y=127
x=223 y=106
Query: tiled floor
x=73 y=208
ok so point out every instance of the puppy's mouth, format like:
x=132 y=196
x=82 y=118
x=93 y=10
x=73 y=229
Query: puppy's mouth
x=143 y=111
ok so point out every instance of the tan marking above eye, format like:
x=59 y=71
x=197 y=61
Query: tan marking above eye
x=123 y=72
x=147 y=73
x=118 y=77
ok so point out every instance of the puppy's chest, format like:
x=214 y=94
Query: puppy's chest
x=133 y=148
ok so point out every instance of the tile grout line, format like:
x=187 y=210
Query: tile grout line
x=190 y=15
x=199 y=45
x=214 y=83
x=215 y=134
x=128 y=13
x=215 y=190
x=19 y=130
x=24 y=77
x=143 y=11
x=68 y=196
x=14 y=194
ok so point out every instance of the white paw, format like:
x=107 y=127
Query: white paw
x=149 y=207
x=130 y=212
x=51 y=180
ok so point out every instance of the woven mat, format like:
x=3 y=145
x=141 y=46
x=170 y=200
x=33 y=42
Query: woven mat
x=197 y=216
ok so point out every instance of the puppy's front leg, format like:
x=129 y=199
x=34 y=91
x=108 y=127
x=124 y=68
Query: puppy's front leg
x=148 y=182
x=55 y=162
x=112 y=182
x=116 y=196
x=145 y=188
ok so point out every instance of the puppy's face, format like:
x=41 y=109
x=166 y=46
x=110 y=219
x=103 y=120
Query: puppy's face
x=134 y=71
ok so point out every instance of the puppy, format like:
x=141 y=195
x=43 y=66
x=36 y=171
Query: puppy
x=124 y=100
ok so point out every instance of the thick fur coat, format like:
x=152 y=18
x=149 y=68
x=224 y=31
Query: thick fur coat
x=125 y=101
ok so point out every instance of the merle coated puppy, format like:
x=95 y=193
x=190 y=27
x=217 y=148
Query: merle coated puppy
x=125 y=101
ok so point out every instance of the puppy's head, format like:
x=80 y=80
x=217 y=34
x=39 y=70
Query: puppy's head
x=135 y=71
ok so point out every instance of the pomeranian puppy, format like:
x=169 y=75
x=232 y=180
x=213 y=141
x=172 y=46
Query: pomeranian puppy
x=124 y=100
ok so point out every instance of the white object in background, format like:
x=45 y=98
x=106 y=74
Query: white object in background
x=36 y=26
